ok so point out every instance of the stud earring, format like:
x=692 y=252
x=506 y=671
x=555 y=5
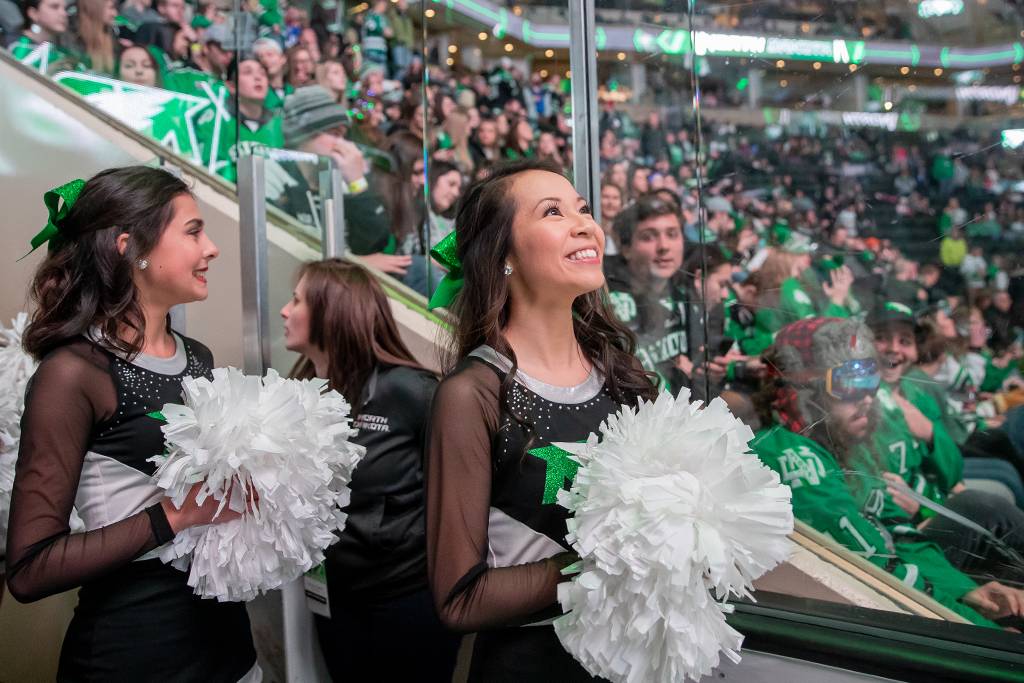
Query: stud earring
x=508 y=269
x=143 y=264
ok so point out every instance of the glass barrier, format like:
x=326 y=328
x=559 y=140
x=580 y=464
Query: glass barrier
x=853 y=245
x=497 y=87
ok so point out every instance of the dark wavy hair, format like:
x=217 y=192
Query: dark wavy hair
x=84 y=282
x=484 y=223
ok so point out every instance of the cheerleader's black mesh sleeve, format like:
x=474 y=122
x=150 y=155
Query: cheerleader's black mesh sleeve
x=71 y=393
x=469 y=594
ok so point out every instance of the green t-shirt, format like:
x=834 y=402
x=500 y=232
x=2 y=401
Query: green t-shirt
x=46 y=58
x=375 y=43
x=220 y=153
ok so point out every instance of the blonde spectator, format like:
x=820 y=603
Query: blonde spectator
x=96 y=30
x=331 y=77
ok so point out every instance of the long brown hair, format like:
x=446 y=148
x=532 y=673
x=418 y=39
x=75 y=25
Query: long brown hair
x=484 y=223
x=84 y=281
x=350 y=319
x=96 y=35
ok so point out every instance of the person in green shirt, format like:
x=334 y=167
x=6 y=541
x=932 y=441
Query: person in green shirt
x=375 y=34
x=789 y=290
x=816 y=409
x=39 y=46
x=240 y=130
x=953 y=248
x=920 y=457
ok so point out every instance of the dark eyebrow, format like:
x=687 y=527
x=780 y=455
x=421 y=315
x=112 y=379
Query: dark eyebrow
x=195 y=223
x=557 y=199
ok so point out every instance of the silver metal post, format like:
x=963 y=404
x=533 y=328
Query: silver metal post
x=252 y=224
x=585 y=136
x=333 y=243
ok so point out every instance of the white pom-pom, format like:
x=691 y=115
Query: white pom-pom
x=672 y=515
x=16 y=368
x=283 y=440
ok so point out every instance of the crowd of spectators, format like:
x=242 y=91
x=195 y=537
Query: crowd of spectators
x=715 y=243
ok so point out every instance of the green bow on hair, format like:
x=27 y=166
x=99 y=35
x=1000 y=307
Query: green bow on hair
x=51 y=231
x=445 y=253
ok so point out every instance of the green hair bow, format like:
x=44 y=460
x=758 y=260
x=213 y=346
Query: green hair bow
x=68 y=192
x=446 y=254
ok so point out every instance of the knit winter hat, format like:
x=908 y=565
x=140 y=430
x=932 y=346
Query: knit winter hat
x=308 y=111
x=804 y=350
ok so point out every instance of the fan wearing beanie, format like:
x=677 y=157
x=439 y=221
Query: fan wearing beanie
x=315 y=123
x=818 y=408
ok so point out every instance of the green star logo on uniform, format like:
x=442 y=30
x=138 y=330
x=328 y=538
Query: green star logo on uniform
x=559 y=467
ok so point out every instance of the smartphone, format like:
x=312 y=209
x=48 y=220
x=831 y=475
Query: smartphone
x=725 y=346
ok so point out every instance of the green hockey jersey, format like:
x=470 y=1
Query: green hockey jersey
x=860 y=519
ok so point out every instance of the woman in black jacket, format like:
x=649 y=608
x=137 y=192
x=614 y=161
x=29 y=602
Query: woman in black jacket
x=382 y=625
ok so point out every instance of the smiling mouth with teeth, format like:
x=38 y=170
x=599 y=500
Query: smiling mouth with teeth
x=583 y=255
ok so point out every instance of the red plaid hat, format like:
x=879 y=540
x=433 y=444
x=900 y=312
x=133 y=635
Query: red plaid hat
x=802 y=353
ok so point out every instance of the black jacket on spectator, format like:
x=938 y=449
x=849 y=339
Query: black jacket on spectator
x=381 y=554
x=367 y=221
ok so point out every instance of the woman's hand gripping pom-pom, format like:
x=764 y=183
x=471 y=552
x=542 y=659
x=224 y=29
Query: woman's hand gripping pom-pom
x=275 y=450
x=671 y=515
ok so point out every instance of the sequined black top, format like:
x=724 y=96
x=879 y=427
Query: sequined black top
x=86 y=440
x=493 y=520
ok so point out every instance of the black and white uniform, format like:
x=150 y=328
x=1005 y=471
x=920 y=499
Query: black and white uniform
x=87 y=437
x=494 y=526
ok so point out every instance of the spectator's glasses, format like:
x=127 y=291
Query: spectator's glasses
x=853 y=380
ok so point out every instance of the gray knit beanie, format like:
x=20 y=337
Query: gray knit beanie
x=308 y=111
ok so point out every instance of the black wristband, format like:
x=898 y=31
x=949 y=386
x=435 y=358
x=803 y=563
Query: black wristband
x=158 y=521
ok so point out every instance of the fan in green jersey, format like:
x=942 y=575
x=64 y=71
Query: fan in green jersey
x=817 y=407
x=231 y=133
x=38 y=47
x=921 y=458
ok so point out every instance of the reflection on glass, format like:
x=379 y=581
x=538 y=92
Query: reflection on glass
x=492 y=95
x=863 y=209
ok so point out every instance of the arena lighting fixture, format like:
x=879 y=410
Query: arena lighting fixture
x=853 y=67
x=904 y=70
x=621 y=56
x=429 y=14
x=816 y=65
x=887 y=106
x=781 y=64
x=929 y=9
x=482 y=35
x=450 y=61
x=453 y=48
x=568 y=74
x=509 y=47
x=937 y=71
x=543 y=73
x=784 y=83
x=549 y=53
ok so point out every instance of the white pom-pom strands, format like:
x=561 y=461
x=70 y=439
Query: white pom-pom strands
x=279 y=442
x=16 y=368
x=671 y=516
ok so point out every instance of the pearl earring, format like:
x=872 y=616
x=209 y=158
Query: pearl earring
x=143 y=264
x=508 y=269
